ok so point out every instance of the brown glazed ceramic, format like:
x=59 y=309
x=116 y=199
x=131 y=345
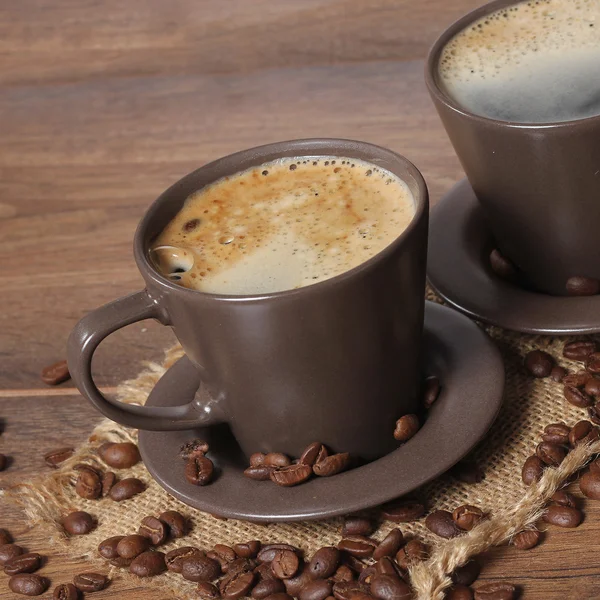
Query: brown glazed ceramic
x=336 y=362
x=539 y=184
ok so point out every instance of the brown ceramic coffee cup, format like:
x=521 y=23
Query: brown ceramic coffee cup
x=538 y=184
x=336 y=362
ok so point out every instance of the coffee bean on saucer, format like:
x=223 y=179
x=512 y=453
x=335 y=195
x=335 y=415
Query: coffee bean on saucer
x=266 y=587
x=199 y=470
x=345 y=590
x=582 y=286
x=154 y=529
x=589 y=484
x=247 y=549
x=467 y=471
x=459 y=592
x=260 y=473
x=466 y=517
x=563 y=516
x=285 y=564
x=28 y=585
x=441 y=523
x=318 y=589
x=390 y=545
x=467 y=573
x=55 y=373
x=175 y=558
x=564 y=499
x=55 y=457
x=148 y=564
x=502 y=266
x=558 y=374
x=5 y=537
x=406 y=427
x=78 y=523
x=496 y=591
x=576 y=397
x=178 y=525
x=126 y=488
x=332 y=465
x=579 y=350
x=310 y=455
x=583 y=432
x=132 y=545
x=291 y=475
x=387 y=587
x=200 y=568
x=357 y=526
x=257 y=459
x=592 y=387
x=403 y=510
x=108 y=480
x=236 y=586
x=343 y=573
x=193 y=448
x=90 y=582
x=123 y=455
x=431 y=390
x=24 y=563
x=88 y=485
x=527 y=539
x=556 y=433
x=577 y=380
x=551 y=454
x=108 y=547
x=207 y=591
x=592 y=363
x=65 y=591
x=358 y=546
x=539 y=363
x=277 y=459
x=324 y=563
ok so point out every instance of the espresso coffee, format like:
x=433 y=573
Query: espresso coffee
x=532 y=62
x=283 y=225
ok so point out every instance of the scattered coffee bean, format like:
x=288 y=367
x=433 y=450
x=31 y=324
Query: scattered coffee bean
x=247 y=549
x=579 y=350
x=126 y=488
x=291 y=475
x=176 y=522
x=390 y=545
x=441 y=523
x=199 y=470
x=24 y=563
x=358 y=546
x=532 y=471
x=589 y=484
x=551 y=454
x=280 y=596
x=65 y=591
x=387 y=566
x=592 y=363
x=539 y=363
x=403 y=511
x=55 y=457
x=277 y=459
x=154 y=529
x=466 y=574
x=121 y=562
x=257 y=459
x=175 y=558
x=236 y=586
x=357 y=526
x=8 y=552
x=132 y=545
x=148 y=564
x=347 y=590
x=467 y=471
x=367 y=574
x=122 y=455
x=431 y=391
x=5 y=537
x=108 y=547
x=261 y=473
x=227 y=553
x=88 y=485
x=563 y=516
x=207 y=591
x=577 y=397
x=343 y=573
x=556 y=433
x=594 y=414
x=90 y=582
x=266 y=587
x=357 y=565
x=592 y=387
x=332 y=465
x=200 y=568
x=28 y=585
x=582 y=286
x=241 y=564
x=466 y=517
x=310 y=455
x=316 y=590
x=193 y=448
x=564 y=499
x=293 y=585
x=527 y=539
x=268 y=553
x=387 y=587
x=108 y=480
x=406 y=427
x=577 y=380
x=583 y=432
x=558 y=374
x=324 y=563
x=502 y=266
x=459 y=592
x=496 y=591
x=78 y=523
x=56 y=373
x=285 y=564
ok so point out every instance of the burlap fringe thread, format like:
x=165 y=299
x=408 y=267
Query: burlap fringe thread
x=46 y=501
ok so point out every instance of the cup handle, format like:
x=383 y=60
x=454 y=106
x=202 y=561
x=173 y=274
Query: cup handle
x=82 y=344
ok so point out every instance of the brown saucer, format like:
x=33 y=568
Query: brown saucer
x=458 y=268
x=472 y=375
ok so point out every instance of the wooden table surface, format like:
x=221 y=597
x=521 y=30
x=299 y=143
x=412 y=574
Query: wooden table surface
x=103 y=104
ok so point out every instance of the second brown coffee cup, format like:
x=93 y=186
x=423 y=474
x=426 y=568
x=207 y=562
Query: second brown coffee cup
x=336 y=362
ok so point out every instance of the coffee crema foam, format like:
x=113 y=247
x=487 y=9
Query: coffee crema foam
x=532 y=62
x=283 y=225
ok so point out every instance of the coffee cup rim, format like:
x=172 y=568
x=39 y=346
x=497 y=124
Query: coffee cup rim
x=436 y=90
x=297 y=147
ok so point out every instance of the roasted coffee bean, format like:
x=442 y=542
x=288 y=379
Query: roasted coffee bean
x=55 y=457
x=207 y=591
x=224 y=564
x=199 y=470
x=345 y=590
x=558 y=374
x=88 y=485
x=324 y=563
x=532 y=471
x=577 y=380
x=388 y=566
x=280 y=596
x=56 y=373
x=387 y=587
x=132 y=545
x=431 y=391
x=316 y=590
x=551 y=454
x=357 y=565
x=413 y=552
x=583 y=432
x=225 y=552
x=291 y=475
x=200 y=568
x=496 y=591
x=268 y=553
x=343 y=573
x=123 y=455
x=459 y=592
x=65 y=591
x=594 y=414
x=4 y=460
x=556 y=433
x=527 y=539
x=257 y=459
x=236 y=586
x=406 y=427
x=122 y=563
x=261 y=473
x=154 y=529
x=28 y=585
x=193 y=448
x=582 y=286
x=263 y=571
x=579 y=350
x=277 y=459
x=502 y=266
x=467 y=471
x=589 y=484
x=577 y=397
x=594 y=466
x=358 y=546
x=592 y=387
x=539 y=363
x=175 y=558
x=24 y=563
x=266 y=587
x=8 y=552
x=293 y=585
x=367 y=574
x=108 y=547
x=78 y=523
x=5 y=537
x=247 y=549
x=108 y=480
x=148 y=564
x=309 y=456
x=563 y=516
x=564 y=499
x=90 y=582
x=357 y=526
x=466 y=574
x=126 y=489
x=178 y=525
x=285 y=564
x=466 y=517
x=332 y=465
x=390 y=545
x=441 y=523
x=403 y=510
x=241 y=564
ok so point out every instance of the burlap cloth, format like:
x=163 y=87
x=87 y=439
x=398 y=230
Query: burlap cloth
x=529 y=406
